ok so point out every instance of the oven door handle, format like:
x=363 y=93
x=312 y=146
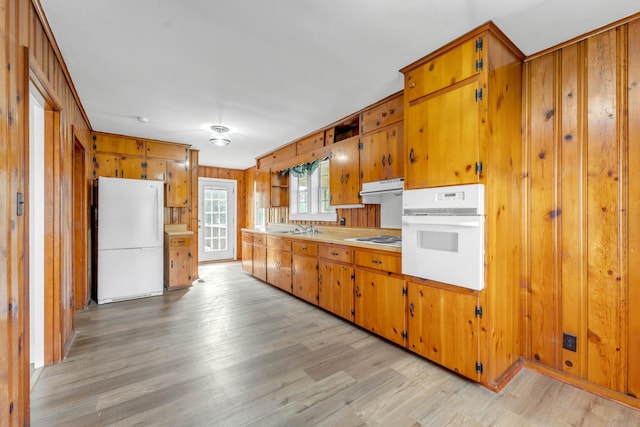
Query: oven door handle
x=415 y=220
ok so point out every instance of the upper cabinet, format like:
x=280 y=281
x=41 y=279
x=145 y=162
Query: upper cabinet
x=453 y=102
x=382 y=156
x=344 y=171
x=122 y=157
x=382 y=129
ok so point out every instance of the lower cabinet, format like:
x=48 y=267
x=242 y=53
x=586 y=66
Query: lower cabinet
x=177 y=261
x=304 y=271
x=443 y=326
x=335 y=281
x=279 y=263
x=247 y=252
x=260 y=256
x=380 y=304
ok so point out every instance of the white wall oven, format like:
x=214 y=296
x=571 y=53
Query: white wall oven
x=443 y=234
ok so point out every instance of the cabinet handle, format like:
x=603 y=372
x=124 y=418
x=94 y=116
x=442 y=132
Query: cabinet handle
x=383 y=161
x=319 y=279
x=171 y=263
x=358 y=291
x=389 y=159
x=376 y=261
x=391 y=111
x=411 y=157
x=411 y=309
x=412 y=85
x=116 y=173
x=335 y=253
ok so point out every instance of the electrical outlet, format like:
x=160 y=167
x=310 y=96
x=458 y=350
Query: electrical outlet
x=343 y=221
x=569 y=342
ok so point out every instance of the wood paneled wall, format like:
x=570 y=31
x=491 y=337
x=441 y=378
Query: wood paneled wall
x=582 y=121
x=28 y=54
x=243 y=195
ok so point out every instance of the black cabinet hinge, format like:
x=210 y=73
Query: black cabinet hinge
x=479 y=367
x=479 y=64
x=353 y=312
x=405 y=335
x=479 y=311
x=144 y=176
x=360 y=146
x=353 y=276
x=478 y=168
x=144 y=164
x=479 y=44
x=404 y=291
x=479 y=94
x=317 y=267
x=94 y=159
x=11 y=408
x=20 y=206
x=10 y=308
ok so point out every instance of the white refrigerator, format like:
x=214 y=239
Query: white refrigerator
x=130 y=239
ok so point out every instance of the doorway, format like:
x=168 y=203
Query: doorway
x=36 y=213
x=217 y=219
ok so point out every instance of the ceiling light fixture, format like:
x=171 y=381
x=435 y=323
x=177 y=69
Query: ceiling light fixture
x=220 y=135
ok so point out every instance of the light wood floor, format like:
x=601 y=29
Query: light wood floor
x=233 y=351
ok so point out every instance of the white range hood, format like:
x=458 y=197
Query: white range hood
x=387 y=194
x=370 y=190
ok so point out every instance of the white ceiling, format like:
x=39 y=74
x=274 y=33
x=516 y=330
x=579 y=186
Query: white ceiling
x=273 y=71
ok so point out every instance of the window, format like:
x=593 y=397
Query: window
x=309 y=195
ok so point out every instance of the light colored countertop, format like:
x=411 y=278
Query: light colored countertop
x=335 y=235
x=177 y=230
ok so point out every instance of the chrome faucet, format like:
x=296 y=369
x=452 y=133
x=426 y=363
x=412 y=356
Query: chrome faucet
x=301 y=229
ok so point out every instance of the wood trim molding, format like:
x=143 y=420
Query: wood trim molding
x=54 y=45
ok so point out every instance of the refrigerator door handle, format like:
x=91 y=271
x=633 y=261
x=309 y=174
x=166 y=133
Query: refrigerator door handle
x=157 y=211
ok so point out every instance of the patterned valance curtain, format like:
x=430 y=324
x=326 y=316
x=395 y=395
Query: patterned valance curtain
x=303 y=169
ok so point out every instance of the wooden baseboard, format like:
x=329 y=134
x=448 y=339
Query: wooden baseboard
x=506 y=377
x=582 y=384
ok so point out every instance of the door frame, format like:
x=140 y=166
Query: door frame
x=232 y=215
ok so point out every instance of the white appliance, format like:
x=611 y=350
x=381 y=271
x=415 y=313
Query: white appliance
x=130 y=239
x=387 y=194
x=443 y=235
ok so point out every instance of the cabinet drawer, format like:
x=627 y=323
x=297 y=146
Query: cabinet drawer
x=304 y=248
x=278 y=244
x=380 y=261
x=336 y=253
x=179 y=241
x=247 y=237
x=390 y=112
x=259 y=239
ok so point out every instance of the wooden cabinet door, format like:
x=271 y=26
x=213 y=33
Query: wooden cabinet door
x=451 y=67
x=442 y=140
x=178 y=258
x=107 y=165
x=279 y=269
x=335 y=288
x=131 y=167
x=382 y=156
x=443 y=327
x=344 y=172
x=260 y=261
x=247 y=252
x=177 y=188
x=304 y=275
x=380 y=304
x=118 y=144
x=156 y=170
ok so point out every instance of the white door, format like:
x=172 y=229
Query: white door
x=216 y=219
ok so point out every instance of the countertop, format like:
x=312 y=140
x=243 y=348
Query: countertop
x=335 y=235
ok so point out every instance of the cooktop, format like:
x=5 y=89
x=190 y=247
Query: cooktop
x=378 y=240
